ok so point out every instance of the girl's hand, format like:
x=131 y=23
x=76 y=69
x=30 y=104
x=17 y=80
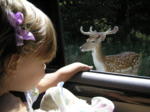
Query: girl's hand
x=74 y=68
x=63 y=74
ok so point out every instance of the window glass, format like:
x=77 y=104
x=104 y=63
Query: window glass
x=119 y=39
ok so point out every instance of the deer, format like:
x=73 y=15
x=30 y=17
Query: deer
x=125 y=62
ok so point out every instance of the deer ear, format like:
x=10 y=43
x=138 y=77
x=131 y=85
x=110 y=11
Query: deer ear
x=99 y=38
x=103 y=38
x=12 y=62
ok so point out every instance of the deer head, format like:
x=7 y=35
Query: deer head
x=95 y=38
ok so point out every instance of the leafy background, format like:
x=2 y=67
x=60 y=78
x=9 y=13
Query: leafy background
x=132 y=17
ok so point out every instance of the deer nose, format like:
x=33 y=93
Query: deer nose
x=80 y=47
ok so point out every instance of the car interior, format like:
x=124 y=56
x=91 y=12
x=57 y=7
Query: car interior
x=129 y=93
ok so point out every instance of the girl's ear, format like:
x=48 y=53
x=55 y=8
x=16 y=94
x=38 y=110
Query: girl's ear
x=13 y=61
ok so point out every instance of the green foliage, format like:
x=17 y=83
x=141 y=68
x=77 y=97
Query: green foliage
x=145 y=66
x=142 y=36
x=131 y=16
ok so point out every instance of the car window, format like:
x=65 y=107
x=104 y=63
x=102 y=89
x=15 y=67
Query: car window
x=113 y=36
x=129 y=35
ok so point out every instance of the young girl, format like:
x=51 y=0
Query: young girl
x=27 y=42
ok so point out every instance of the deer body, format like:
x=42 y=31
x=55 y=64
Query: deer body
x=126 y=62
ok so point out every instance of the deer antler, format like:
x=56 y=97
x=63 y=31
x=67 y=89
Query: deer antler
x=87 y=33
x=90 y=32
x=109 y=31
x=94 y=33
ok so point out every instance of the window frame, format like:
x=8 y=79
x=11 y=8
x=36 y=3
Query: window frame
x=117 y=87
x=120 y=87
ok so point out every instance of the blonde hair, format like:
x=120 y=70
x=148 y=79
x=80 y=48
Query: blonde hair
x=44 y=46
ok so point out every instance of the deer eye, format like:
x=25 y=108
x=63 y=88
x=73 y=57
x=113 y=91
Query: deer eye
x=93 y=41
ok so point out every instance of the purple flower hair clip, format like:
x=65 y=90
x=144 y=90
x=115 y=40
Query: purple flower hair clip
x=16 y=20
